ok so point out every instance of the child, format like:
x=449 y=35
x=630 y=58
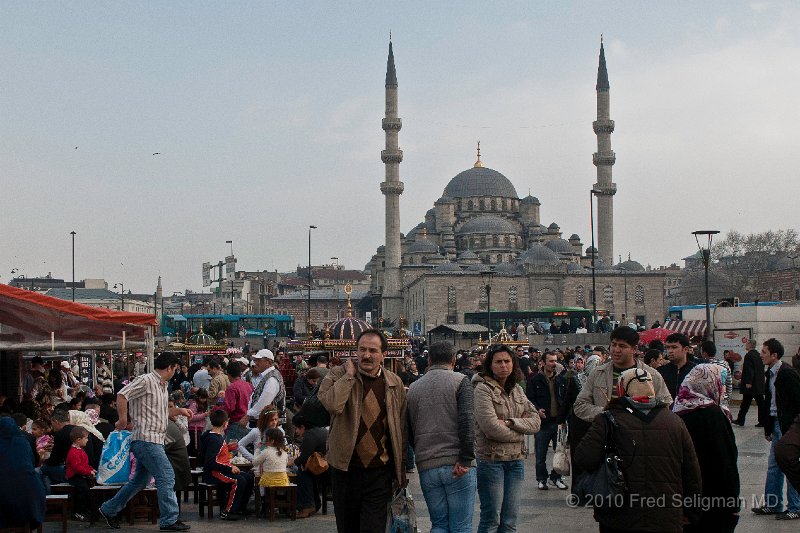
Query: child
x=79 y=472
x=40 y=430
x=275 y=459
x=217 y=468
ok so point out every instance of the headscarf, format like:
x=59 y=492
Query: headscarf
x=79 y=418
x=637 y=384
x=704 y=386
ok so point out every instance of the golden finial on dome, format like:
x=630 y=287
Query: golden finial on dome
x=478 y=163
x=348 y=290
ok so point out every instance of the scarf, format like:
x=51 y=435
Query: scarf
x=79 y=418
x=703 y=386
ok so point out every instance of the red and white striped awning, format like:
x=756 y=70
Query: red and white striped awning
x=690 y=328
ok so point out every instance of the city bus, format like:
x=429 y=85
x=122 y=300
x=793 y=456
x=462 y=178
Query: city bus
x=543 y=315
x=229 y=325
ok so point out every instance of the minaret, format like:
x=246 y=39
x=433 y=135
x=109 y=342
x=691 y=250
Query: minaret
x=604 y=159
x=392 y=188
x=158 y=304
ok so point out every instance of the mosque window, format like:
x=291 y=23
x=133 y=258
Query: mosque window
x=580 y=296
x=608 y=294
x=470 y=205
x=512 y=298
x=499 y=258
x=638 y=294
x=410 y=260
x=452 y=314
x=481 y=205
x=493 y=204
x=496 y=240
x=483 y=302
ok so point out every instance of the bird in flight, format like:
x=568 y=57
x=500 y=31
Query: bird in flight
x=156 y=153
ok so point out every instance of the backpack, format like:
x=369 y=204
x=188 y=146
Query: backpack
x=313 y=410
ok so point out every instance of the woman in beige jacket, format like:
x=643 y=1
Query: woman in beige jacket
x=503 y=416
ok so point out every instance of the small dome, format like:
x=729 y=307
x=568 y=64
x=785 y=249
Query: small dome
x=630 y=266
x=348 y=328
x=553 y=226
x=423 y=246
x=575 y=237
x=480 y=181
x=573 y=268
x=487 y=224
x=202 y=338
x=468 y=254
x=560 y=246
x=506 y=268
x=539 y=255
x=447 y=268
x=530 y=200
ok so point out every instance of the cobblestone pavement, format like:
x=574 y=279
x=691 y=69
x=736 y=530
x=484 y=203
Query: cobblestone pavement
x=542 y=511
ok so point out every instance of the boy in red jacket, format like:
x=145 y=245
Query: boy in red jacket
x=79 y=472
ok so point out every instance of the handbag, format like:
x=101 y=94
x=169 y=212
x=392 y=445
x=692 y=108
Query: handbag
x=313 y=410
x=402 y=517
x=605 y=486
x=561 y=464
x=317 y=464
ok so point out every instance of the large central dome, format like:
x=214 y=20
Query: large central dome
x=480 y=181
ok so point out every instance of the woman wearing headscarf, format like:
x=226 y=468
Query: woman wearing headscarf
x=708 y=421
x=22 y=498
x=658 y=460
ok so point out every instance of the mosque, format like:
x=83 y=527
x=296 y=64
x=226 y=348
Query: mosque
x=432 y=274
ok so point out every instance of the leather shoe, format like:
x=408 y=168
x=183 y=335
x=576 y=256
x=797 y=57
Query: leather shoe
x=305 y=513
x=177 y=526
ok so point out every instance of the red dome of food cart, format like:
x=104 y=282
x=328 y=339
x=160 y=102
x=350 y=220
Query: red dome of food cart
x=348 y=329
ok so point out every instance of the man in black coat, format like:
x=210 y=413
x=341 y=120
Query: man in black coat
x=780 y=408
x=547 y=392
x=752 y=383
x=674 y=372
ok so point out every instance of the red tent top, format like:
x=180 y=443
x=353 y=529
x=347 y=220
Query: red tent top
x=29 y=320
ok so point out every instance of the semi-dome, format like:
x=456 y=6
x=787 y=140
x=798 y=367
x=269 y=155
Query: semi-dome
x=423 y=246
x=539 y=255
x=488 y=224
x=574 y=267
x=447 y=268
x=560 y=246
x=480 y=181
x=630 y=266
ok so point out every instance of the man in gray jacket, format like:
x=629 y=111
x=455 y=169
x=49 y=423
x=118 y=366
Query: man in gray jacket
x=441 y=424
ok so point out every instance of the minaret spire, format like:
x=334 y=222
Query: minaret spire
x=392 y=188
x=478 y=163
x=604 y=160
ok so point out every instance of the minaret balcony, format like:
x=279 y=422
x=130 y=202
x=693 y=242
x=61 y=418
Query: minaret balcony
x=604 y=159
x=392 y=187
x=392 y=124
x=606 y=189
x=391 y=156
x=602 y=126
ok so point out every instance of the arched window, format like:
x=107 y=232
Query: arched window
x=638 y=294
x=481 y=204
x=499 y=258
x=608 y=294
x=493 y=204
x=580 y=296
x=410 y=260
x=512 y=298
x=470 y=205
x=452 y=314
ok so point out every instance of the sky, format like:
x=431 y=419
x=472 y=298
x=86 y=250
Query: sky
x=265 y=118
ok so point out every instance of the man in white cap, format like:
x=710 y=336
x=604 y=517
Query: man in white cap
x=268 y=388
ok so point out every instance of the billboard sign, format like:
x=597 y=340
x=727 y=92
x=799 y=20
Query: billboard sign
x=735 y=342
x=206 y=274
x=230 y=267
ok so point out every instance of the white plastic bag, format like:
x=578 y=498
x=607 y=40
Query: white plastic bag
x=561 y=457
x=402 y=517
x=115 y=463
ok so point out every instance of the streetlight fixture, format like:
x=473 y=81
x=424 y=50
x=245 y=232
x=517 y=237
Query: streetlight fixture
x=122 y=294
x=706 y=252
x=73 y=264
x=593 y=251
x=486 y=278
x=233 y=274
x=308 y=303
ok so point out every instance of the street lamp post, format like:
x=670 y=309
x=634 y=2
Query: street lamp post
x=308 y=302
x=593 y=251
x=709 y=234
x=73 y=264
x=233 y=274
x=486 y=278
x=122 y=294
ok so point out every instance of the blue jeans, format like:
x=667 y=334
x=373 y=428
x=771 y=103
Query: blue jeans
x=151 y=461
x=499 y=489
x=773 y=488
x=541 y=443
x=450 y=500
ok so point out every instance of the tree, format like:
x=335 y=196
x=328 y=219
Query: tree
x=736 y=245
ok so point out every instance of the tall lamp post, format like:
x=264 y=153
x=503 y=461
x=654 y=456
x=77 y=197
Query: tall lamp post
x=73 y=264
x=122 y=294
x=486 y=278
x=308 y=302
x=592 y=194
x=706 y=252
x=233 y=274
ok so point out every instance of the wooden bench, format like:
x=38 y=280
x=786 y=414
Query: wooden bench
x=57 y=510
x=283 y=498
x=211 y=495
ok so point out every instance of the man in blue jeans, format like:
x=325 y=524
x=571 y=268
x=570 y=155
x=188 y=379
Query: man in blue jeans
x=146 y=400
x=547 y=391
x=441 y=423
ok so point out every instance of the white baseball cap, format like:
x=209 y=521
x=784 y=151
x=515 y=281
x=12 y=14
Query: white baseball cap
x=261 y=354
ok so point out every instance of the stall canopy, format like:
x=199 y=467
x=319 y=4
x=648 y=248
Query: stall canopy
x=690 y=328
x=35 y=322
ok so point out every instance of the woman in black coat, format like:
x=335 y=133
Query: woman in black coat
x=708 y=422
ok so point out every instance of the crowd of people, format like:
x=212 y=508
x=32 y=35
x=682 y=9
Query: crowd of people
x=465 y=421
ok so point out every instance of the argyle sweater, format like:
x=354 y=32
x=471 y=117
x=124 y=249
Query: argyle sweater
x=372 y=442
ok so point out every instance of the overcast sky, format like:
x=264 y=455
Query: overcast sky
x=266 y=117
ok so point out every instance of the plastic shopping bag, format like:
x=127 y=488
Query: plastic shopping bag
x=115 y=463
x=561 y=457
x=402 y=517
